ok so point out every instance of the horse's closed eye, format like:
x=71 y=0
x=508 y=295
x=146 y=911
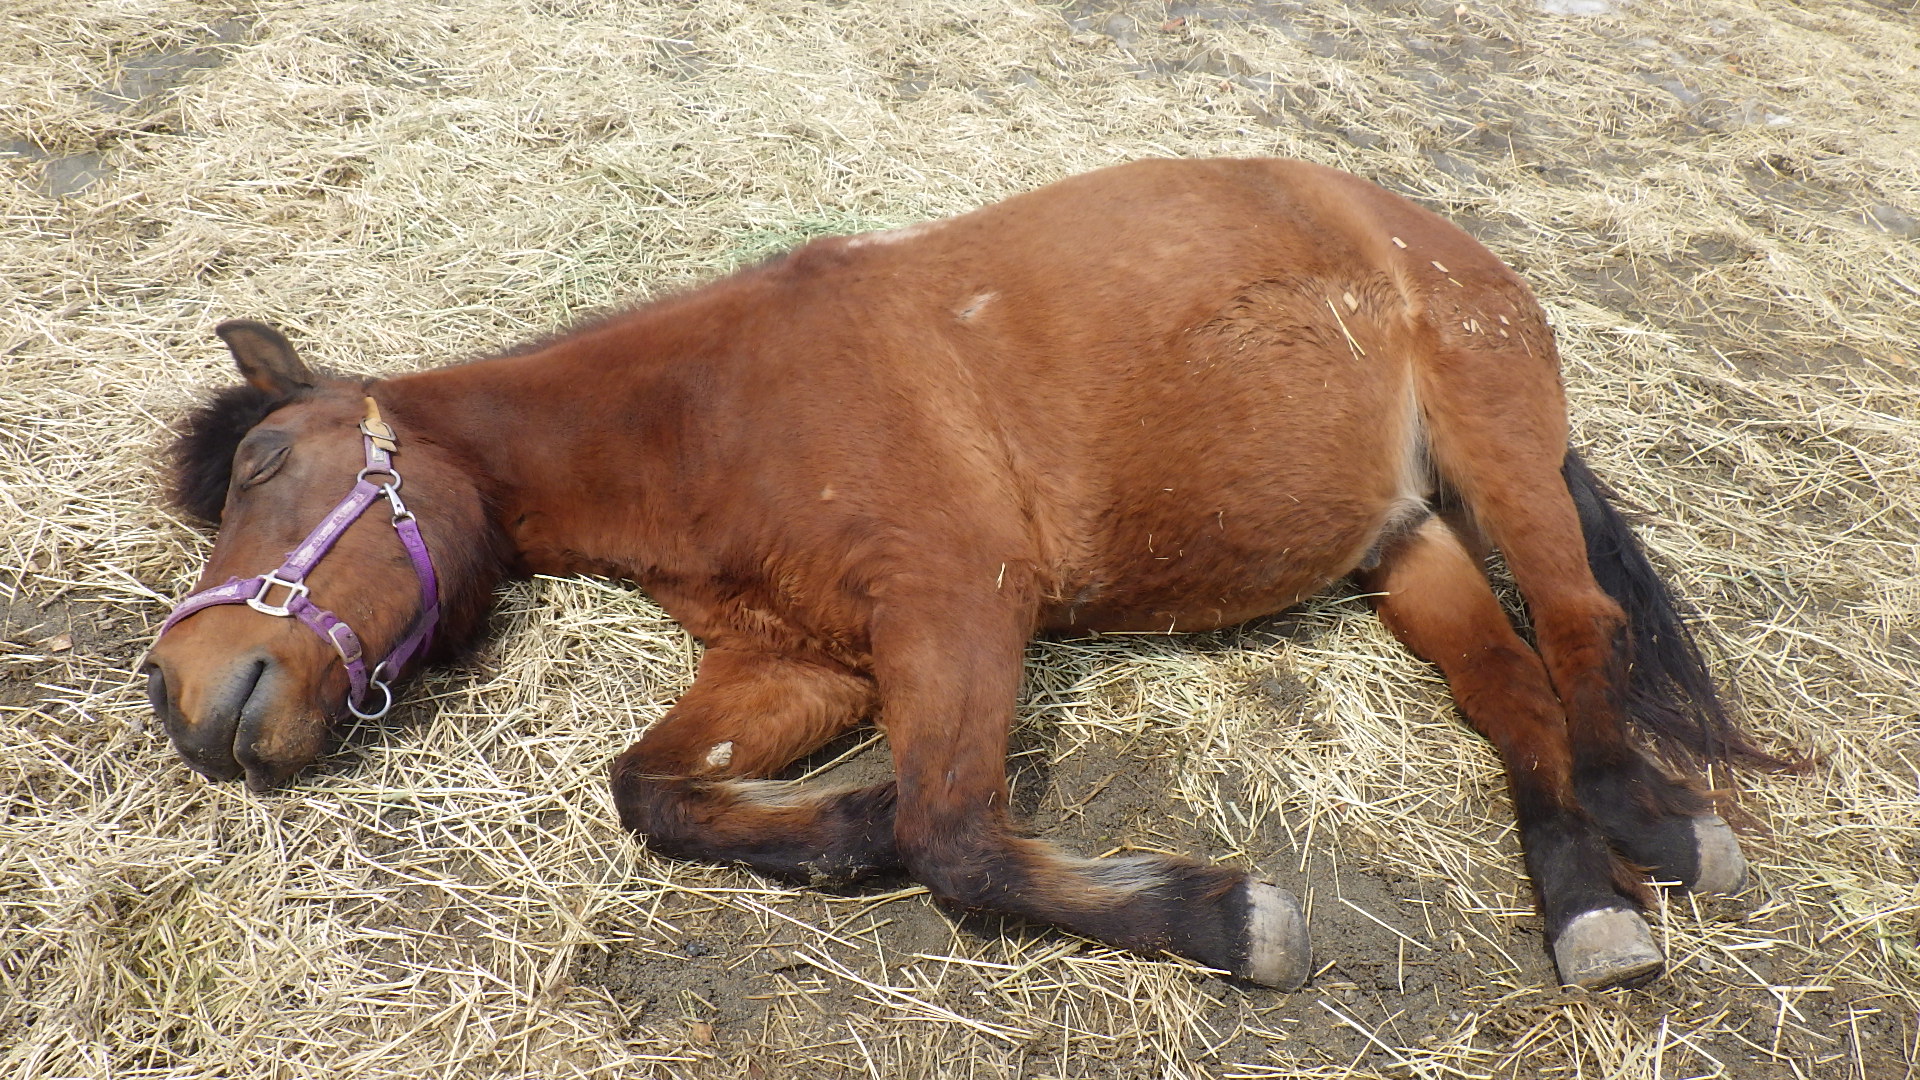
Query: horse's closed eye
x=267 y=468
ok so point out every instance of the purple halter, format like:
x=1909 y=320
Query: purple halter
x=256 y=592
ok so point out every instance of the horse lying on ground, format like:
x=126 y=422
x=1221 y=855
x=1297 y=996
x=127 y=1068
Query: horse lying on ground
x=1168 y=396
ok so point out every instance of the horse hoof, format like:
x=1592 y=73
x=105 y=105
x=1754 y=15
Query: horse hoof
x=1608 y=947
x=1278 y=954
x=1723 y=870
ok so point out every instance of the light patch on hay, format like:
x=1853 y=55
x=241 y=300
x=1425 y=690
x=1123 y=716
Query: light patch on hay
x=1717 y=202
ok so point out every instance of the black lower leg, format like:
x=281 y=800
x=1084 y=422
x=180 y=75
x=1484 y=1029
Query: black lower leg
x=776 y=829
x=1649 y=817
x=1574 y=870
x=1661 y=824
x=1214 y=915
x=1589 y=901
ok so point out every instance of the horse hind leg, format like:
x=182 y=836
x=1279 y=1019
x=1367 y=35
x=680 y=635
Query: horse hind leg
x=1583 y=635
x=1665 y=689
x=692 y=786
x=1489 y=390
x=1432 y=595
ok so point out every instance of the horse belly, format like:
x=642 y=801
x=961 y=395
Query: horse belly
x=1215 y=546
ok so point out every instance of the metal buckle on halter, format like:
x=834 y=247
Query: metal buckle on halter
x=295 y=590
x=379 y=430
x=334 y=634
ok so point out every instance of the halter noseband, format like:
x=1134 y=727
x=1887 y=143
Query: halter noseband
x=257 y=592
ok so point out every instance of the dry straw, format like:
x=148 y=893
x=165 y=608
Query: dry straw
x=1717 y=201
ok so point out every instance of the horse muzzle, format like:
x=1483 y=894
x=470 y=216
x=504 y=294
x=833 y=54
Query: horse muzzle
x=241 y=717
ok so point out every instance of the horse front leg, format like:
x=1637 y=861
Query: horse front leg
x=690 y=786
x=948 y=670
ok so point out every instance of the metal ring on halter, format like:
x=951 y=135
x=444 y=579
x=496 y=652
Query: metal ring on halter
x=374 y=682
x=362 y=475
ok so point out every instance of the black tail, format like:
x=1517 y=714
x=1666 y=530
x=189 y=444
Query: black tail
x=1669 y=693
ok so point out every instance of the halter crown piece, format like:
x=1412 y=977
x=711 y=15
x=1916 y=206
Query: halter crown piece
x=258 y=592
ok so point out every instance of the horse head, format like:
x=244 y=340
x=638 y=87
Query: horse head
x=351 y=547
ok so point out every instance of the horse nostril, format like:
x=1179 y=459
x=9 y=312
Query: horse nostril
x=157 y=690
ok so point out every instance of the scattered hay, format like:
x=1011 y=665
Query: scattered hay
x=1718 y=202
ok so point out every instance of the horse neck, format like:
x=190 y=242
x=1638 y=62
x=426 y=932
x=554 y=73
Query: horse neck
x=576 y=447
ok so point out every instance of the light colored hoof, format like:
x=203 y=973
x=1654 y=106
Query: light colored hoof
x=1278 y=953
x=1723 y=870
x=1608 y=947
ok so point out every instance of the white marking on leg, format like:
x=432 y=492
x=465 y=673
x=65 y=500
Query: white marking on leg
x=784 y=794
x=1123 y=875
x=721 y=755
x=770 y=794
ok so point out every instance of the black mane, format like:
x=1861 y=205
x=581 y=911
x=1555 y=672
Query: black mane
x=202 y=454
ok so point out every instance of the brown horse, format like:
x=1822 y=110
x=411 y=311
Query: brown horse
x=1167 y=396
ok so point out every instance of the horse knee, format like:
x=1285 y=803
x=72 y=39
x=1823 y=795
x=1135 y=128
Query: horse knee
x=627 y=775
x=784 y=830
x=650 y=804
x=671 y=814
x=971 y=866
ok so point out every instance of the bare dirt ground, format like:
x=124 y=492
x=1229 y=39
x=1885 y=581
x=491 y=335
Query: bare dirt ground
x=1717 y=201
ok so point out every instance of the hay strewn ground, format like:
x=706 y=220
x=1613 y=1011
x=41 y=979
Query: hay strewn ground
x=1718 y=202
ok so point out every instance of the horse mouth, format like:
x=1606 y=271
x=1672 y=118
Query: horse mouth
x=222 y=740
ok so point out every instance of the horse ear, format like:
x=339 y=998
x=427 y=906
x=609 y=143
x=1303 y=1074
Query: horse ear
x=265 y=357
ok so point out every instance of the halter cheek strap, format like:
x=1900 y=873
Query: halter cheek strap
x=288 y=583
